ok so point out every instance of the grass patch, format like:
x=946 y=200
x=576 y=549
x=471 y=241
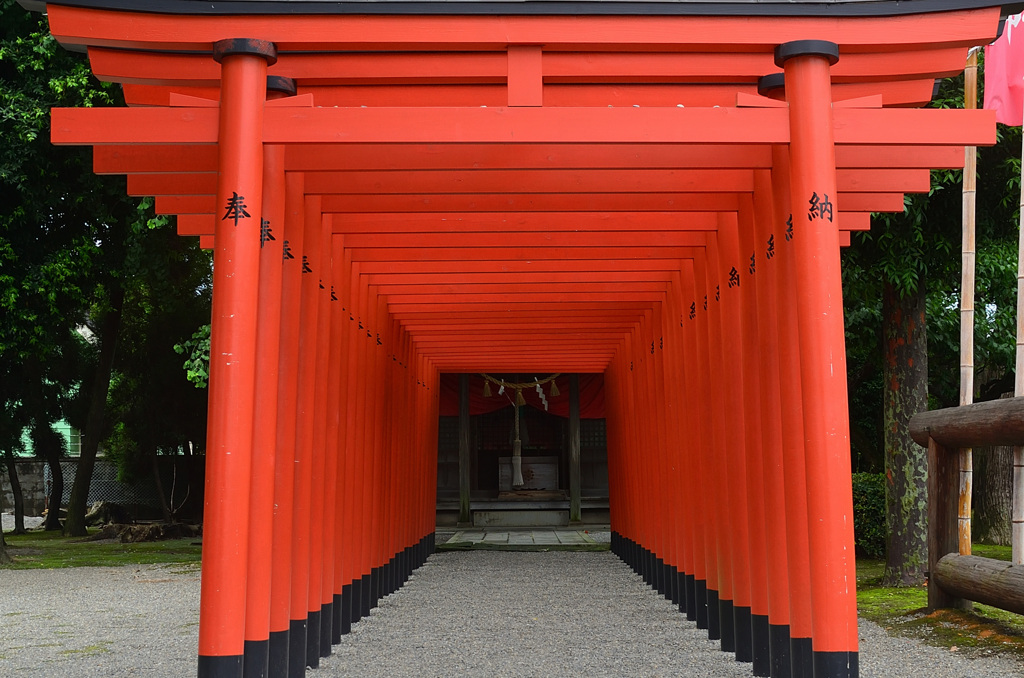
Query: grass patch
x=984 y=631
x=48 y=550
x=992 y=551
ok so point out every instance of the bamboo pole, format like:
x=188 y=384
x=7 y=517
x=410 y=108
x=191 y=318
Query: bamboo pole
x=967 y=307
x=1017 y=514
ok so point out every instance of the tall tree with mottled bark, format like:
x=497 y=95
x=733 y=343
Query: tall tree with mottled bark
x=902 y=285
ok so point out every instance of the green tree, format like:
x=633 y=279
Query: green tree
x=156 y=409
x=902 y=288
x=72 y=248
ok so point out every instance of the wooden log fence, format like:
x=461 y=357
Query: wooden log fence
x=955 y=579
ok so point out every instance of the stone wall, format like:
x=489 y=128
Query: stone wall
x=33 y=486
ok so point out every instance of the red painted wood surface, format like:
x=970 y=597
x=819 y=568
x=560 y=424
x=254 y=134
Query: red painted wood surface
x=537 y=194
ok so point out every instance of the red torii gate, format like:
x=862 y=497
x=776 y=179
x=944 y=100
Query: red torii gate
x=393 y=190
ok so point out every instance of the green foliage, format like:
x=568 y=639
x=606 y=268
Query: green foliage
x=869 y=531
x=74 y=251
x=197 y=362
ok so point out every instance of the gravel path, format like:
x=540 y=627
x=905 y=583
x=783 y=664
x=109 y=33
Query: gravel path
x=462 y=614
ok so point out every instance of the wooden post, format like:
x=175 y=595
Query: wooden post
x=966 y=454
x=464 y=515
x=942 y=520
x=818 y=295
x=1017 y=512
x=798 y=561
x=774 y=472
x=292 y=237
x=575 y=512
x=233 y=347
x=264 y=455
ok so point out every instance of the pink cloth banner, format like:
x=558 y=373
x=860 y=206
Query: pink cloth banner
x=1004 y=73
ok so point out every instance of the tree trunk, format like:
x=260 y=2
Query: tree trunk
x=905 y=376
x=56 y=494
x=5 y=558
x=993 y=494
x=110 y=325
x=164 y=506
x=19 y=497
x=50 y=446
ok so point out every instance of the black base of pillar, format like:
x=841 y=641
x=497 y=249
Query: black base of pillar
x=336 y=619
x=326 y=623
x=778 y=642
x=726 y=619
x=690 y=589
x=744 y=639
x=802 y=657
x=256 y=658
x=296 y=648
x=762 y=645
x=385 y=578
x=365 y=595
x=374 y=587
x=357 y=600
x=714 y=616
x=278 y=663
x=346 y=609
x=680 y=590
x=229 y=666
x=836 y=665
x=700 y=603
x=313 y=639
x=669 y=578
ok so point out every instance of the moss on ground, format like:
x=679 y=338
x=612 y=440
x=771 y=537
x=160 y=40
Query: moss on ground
x=983 y=631
x=47 y=550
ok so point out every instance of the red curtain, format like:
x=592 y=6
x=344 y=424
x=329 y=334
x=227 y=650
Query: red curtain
x=591 y=396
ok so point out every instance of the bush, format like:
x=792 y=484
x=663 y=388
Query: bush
x=869 y=530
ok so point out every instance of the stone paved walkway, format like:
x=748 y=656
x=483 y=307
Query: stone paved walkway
x=526 y=537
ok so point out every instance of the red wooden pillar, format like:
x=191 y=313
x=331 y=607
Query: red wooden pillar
x=733 y=389
x=292 y=238
x=268 y=341
x=790 y=394
x=331 y=588
x=306 y=398
x=822 y=351
x=672 y=522
x=233 y=347
x=367 y=476
x=679 y=443
x=708 y=412
x=374 y=421
x=753 y=361
x=348 y=532
x=321 y=262
x=696 y=422
x=774 y=471
x=616 y=488
x=723 y=597
x=342 y=263
x=646 y=464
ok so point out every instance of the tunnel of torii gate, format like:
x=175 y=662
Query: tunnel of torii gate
x=655 y=191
